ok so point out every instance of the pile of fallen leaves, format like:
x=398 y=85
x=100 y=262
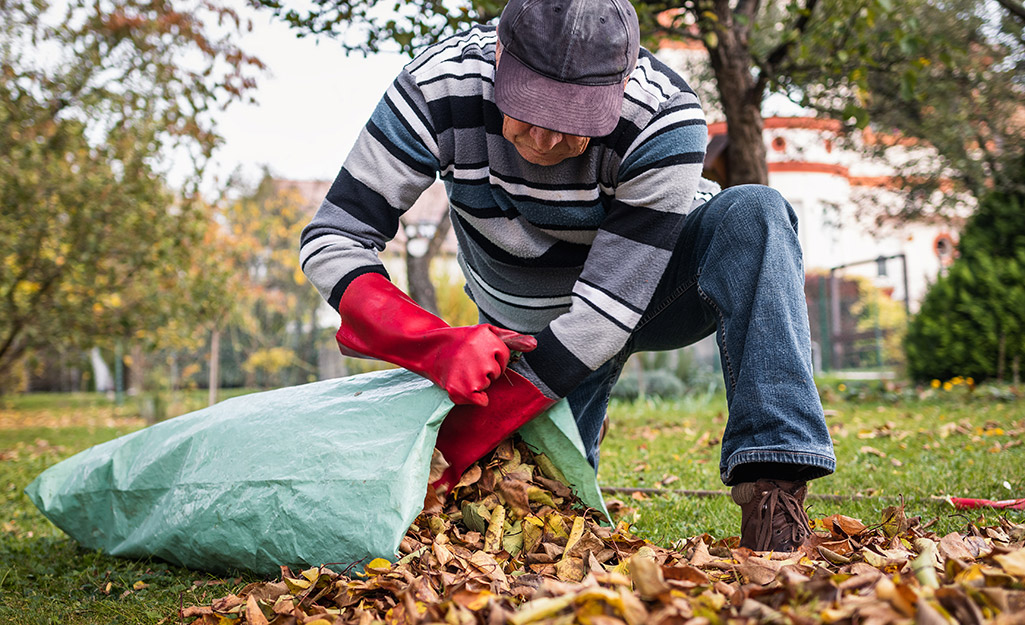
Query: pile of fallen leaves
x=511 y=544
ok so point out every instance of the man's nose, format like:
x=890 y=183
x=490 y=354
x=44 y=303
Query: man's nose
x=545 y=139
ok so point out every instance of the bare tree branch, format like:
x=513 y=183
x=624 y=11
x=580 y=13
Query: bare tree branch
x=440 y=232
x=1016 y=9
x=779 y=54
x=747 y=9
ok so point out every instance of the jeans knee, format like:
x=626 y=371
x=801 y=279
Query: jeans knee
x=755 y=204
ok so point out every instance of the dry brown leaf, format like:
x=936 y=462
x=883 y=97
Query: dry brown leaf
x=442 y=553
x=514 y=491
x=755 y=568
x=646 y=575
x=700 y=557
x=487 y=555
x=685 y=573
x=225 y=604
x=843 y=526
x=472 y=599
x=254 y=615
x=470 y=477
x=570 y=569
x=196 y=610
x=926 y=613
x=433 y=504
x=952 y=546
x=438 y=466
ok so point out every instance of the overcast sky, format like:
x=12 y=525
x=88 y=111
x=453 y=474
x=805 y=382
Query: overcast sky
x=310 y=108
x=312 y=104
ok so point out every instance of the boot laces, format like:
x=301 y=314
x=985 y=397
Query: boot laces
x=777 y=513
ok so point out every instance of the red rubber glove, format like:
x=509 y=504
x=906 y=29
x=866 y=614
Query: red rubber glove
x=469 y=432
x=381 y=321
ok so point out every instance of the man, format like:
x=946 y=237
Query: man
x=572 y=159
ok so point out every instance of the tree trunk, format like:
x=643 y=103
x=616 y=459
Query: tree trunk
x=739 y=91
x=642 y=386
x=174 y=373
x=137 y=371
x=215 y=365
x=311 y=340
x=421 y=289
x=102 y=378
x=1001 y=351
x=418 y=268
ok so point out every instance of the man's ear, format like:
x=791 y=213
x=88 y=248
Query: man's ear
x=498 y=51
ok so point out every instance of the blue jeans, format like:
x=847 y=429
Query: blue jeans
x=737 y=270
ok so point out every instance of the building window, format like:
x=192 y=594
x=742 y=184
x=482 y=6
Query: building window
x=945 y=248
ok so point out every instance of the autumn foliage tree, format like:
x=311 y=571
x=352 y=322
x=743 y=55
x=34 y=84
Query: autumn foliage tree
x=275 y=308
x=94 y=99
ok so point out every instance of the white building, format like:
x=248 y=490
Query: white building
x=836 y=192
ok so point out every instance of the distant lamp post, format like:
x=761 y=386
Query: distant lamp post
x=834 y=329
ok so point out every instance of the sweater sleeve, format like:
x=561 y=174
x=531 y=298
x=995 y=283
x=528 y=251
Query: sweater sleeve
x=393 y=160
x=658 y=177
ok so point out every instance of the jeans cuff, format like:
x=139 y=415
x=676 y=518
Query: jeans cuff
x=812 y=465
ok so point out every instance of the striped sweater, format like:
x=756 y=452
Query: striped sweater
x=570 y=253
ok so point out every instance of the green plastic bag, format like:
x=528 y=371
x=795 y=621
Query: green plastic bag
x=329 y=472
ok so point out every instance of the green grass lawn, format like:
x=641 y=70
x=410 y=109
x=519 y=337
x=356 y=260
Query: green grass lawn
x=892 y=444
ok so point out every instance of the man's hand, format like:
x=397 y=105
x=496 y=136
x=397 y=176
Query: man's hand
x=380 y=321
x=470 y=431
x=468 y=359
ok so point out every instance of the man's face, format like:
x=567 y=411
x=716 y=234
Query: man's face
x=539 y=145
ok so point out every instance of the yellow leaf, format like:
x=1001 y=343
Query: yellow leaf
x=377 y=566
x=556 y=525
x=533 y=530
x=574 y=535
x=139 y=585
x=551 y=471
x=1013 y=563
x=496 y=529
x=540 y=609
x=541 y=496
x=296 y=585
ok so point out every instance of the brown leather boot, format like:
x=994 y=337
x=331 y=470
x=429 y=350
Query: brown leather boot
x=772 y=516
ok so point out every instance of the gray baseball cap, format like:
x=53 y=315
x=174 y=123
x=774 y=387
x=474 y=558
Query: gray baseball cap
x=564 y=62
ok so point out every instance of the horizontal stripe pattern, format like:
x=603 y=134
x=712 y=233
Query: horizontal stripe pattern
x=570 y=253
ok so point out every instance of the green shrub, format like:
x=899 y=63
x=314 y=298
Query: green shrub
x=972 y=321
x=657 y=382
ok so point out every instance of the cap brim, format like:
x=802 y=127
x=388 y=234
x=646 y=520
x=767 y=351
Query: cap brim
x=583 y=110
